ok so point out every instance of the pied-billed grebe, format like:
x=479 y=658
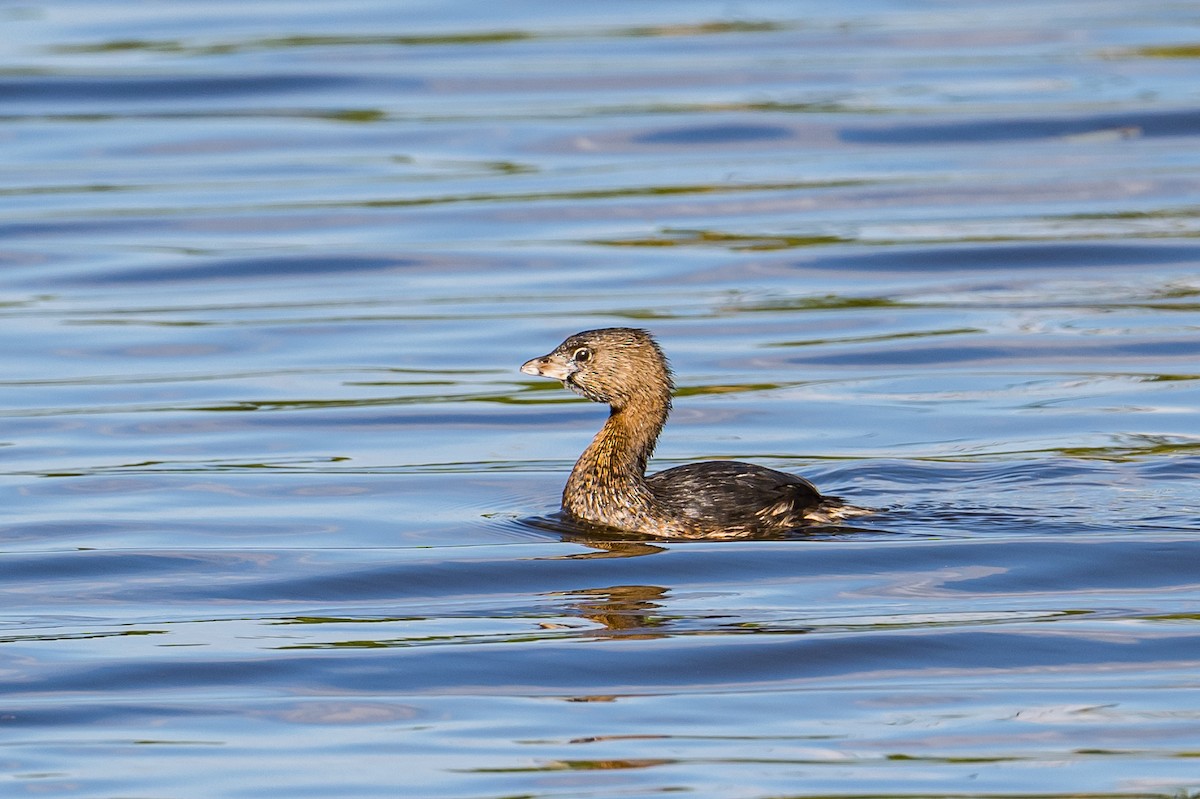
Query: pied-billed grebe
x=625 y=368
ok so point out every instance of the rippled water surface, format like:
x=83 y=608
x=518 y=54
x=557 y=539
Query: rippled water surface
x=278 y=506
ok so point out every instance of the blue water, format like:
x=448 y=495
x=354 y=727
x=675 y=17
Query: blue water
x=279 y=506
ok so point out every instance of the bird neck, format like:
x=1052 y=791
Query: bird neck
x=621 y=450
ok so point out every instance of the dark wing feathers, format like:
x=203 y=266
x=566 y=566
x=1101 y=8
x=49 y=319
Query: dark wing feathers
x=734 y=490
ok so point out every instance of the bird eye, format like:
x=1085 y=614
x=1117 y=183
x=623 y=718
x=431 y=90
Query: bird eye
x=582 y=355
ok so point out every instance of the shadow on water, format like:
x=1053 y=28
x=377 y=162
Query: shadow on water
x=1018 y=257
x=1145 y=123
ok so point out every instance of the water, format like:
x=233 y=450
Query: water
x=278 y=505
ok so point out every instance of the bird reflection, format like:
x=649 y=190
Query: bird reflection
x=603 y=542
x=613 y=549
x=630 y=610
